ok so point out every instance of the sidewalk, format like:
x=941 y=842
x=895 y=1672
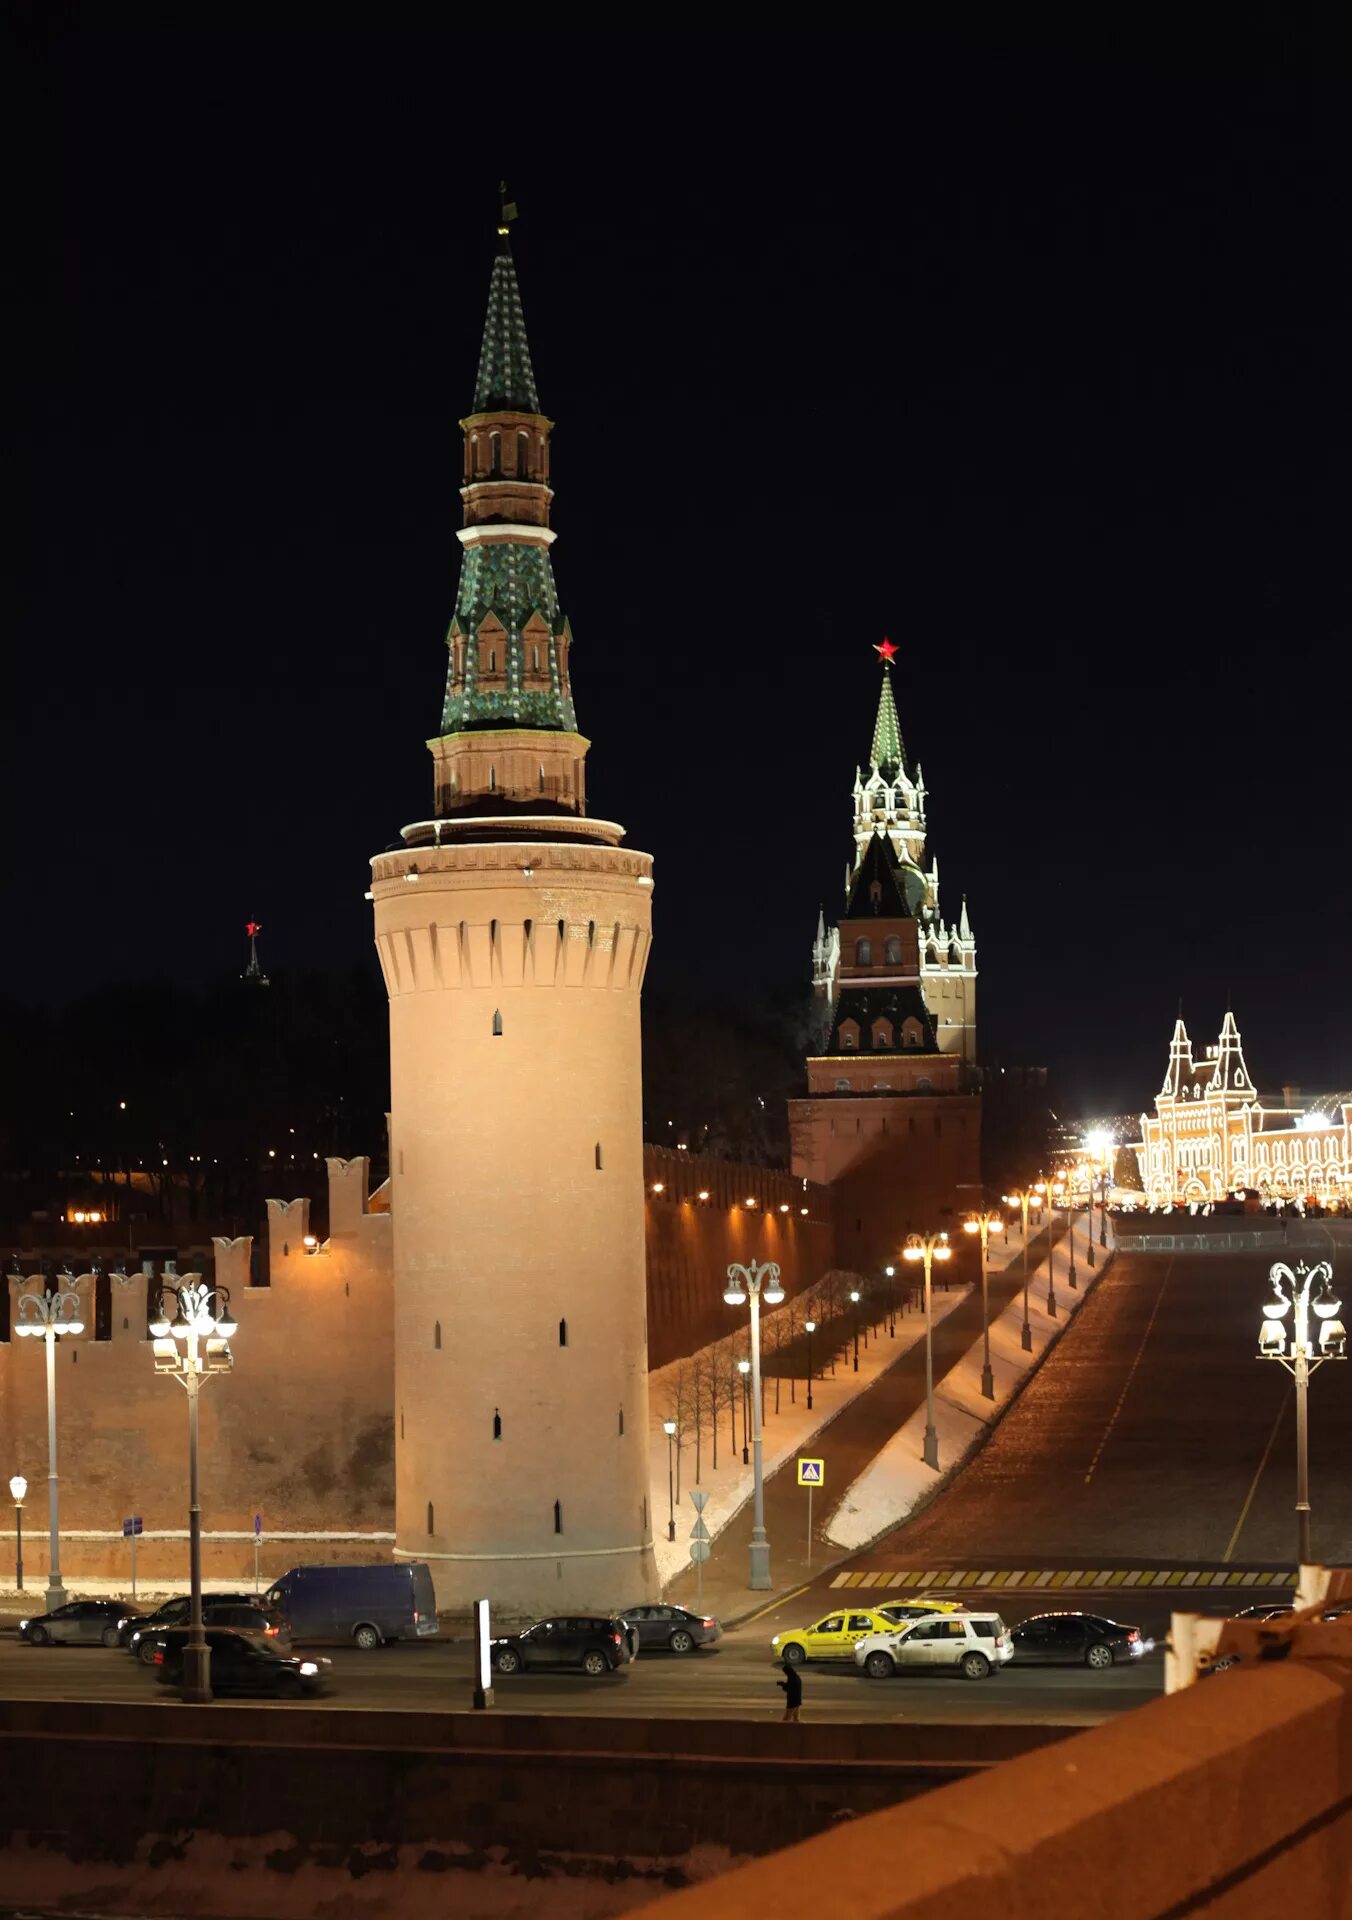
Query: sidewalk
x=785 y=1434
x=898 y=1478
x=848 y=1444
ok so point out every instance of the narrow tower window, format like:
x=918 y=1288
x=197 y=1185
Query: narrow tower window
x=542 y=771
x=563 y=1333
x=621 y=1422
x=430 y=1527
x=497 y=1424
x=492 y=779
x=863 y=953
x=436 y=1336
x=495 y=452
x=558 y=1516
x=598 y=1156
x=523 y=455
x=497 y=1024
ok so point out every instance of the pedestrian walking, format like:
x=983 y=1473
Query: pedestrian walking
x=791 y=1686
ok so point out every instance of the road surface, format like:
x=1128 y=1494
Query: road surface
x=1151 y=1432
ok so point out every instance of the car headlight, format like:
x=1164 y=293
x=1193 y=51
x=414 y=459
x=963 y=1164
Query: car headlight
x=308 y=1667
x=775 y=1641
x=22 y=1625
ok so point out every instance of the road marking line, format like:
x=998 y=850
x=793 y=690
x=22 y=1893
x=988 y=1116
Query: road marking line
x=771 y=1605
x=1248 y=1498
x=1131 y=1372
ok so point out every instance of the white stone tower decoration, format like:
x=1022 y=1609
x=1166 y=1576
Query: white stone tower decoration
x=513 y=932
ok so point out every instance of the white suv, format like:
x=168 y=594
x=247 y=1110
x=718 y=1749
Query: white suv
x=973 y=1643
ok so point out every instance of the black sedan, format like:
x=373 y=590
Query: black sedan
x=672 y=1629
x=83 y=1623
x=242 y=1664
x=592 y=1643
x=175 y=1612
x=148 y=1637
x=1075 y=1640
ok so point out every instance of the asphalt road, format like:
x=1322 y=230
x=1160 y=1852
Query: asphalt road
x=1152 y=1433
x=734 y=1681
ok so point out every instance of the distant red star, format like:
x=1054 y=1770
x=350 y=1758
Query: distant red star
x=886 y=650
x=253 y=927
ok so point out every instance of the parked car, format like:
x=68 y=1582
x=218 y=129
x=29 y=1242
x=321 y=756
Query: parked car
x=672 y=1629
x=837 y=1635
x=242 y=1664
x=149 y=1640
x=81 y=1623
x=175 y=1612
x=1076 y=1639
x=971 y=1644
x=366 y=1605
x=593 y=1642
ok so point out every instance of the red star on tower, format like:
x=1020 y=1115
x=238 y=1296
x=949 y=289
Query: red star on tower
x=886 y=650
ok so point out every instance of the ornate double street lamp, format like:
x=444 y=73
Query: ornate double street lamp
x=669 y=1429
x=1023 y=1199
x=929 y=1247
x=756 y=1278
x=51 y=1317
x=18 y=1487
x=984 y=1224
x=192 y=1331
x=1301 y=1358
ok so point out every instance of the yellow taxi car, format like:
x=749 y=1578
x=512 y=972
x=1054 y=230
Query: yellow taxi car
x=835 y=1636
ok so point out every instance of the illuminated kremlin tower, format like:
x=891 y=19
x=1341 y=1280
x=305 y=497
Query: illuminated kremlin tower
x=893 y=1115
x=513 y=932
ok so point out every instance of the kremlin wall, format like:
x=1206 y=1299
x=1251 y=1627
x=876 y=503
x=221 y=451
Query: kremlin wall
x=303 y=1432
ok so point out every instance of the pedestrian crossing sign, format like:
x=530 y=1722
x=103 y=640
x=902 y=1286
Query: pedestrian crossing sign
x=811 y=1473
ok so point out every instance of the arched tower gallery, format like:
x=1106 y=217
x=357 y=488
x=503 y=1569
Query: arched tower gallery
x=513 y=931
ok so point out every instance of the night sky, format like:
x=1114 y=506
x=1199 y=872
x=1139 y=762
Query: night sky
x=1021 y=346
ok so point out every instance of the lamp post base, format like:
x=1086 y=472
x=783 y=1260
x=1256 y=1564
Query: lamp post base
x=932 y=1448
x=760 y=1566
x=56 y=1595
x=987 y=1382
x=1027 y=1338
x=197 y=1674
x=483 y=1697
x=1051 y=1303
x=671 y=1530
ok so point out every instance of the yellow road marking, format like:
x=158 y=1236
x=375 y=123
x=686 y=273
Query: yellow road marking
x=1248 y=1498
x=772 y=1604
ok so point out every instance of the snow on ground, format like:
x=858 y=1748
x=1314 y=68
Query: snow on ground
x=785 y=1433
x=898 y=1478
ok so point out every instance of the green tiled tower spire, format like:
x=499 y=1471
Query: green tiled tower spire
x=506 y=378
x=887 y=753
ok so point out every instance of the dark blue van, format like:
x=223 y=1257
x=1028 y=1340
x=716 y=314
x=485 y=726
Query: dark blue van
x=366 y=1605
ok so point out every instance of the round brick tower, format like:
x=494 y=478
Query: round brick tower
x=513 y=933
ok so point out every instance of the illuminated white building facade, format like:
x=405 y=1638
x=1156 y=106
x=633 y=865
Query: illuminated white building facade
x=1212 y=1134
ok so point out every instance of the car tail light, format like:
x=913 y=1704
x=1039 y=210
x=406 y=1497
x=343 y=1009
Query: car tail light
x=272 y=1630
x=1000 y=1640
x=616 y=1638
x=416 y=1616
x=1133 y=1635
x=158 y=1660
x=708 y=1622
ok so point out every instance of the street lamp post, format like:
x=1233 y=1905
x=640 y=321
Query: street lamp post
x=929 y=1247
x=49 y=1317
x=1303 y=1359
x=1051 y=1192
x=191 y=1337
x=669 y=1429
x=744 y=1368
x=18 y=1487
x=756 y=1278
x=1069 y=1198
x=1023 y=1199
x=982 y=1223
x=854 y=1304
x=891 y=1273
x=810 y=1327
